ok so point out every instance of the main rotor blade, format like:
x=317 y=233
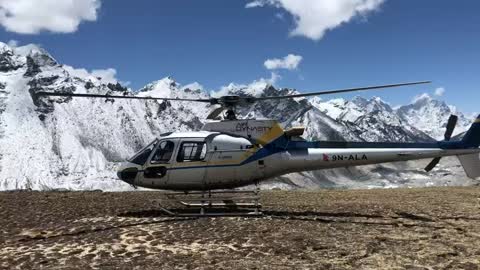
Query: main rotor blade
x=329 y=92
x=432 y=164
x=215 y=113
x=452 y=123
x=124 y=97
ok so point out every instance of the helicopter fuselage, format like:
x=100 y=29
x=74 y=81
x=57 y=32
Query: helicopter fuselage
x=209 y=160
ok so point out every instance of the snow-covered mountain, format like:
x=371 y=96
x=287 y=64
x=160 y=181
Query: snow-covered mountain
x=371 y=120
x=431 y=116
x=59 y=142
x=74 y=143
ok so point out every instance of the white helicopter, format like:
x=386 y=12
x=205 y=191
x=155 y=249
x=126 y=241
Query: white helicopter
x=233 y=152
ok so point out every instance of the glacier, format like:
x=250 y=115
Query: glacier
x=73 y=143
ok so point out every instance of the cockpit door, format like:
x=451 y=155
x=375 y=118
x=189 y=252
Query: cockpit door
x=189 y=165
x=155 y=171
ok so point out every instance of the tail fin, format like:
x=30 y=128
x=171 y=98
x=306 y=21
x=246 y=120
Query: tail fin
x=472 y=138
x=471 y=162
x=471 y=165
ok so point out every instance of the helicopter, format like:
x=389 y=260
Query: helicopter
x=231 y=153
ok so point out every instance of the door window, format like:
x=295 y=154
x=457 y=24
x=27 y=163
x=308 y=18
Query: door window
x=192 y=151
x=164 y=152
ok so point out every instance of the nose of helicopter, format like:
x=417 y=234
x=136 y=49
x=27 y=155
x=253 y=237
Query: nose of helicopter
x=127 y=172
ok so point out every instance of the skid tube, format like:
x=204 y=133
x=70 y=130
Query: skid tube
x=213 y=203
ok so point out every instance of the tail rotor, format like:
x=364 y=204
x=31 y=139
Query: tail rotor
x=452 y=123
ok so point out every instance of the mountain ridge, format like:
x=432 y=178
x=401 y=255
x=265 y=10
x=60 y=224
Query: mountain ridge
x=75 y=143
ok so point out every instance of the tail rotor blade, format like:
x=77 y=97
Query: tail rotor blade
x=452 y=123
x=432 y=164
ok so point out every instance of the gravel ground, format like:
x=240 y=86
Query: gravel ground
x=431 y=228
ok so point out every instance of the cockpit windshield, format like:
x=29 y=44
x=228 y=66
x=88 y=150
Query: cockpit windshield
x=164 y=152
x=141 y=156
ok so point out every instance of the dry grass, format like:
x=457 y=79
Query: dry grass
x=437 y=228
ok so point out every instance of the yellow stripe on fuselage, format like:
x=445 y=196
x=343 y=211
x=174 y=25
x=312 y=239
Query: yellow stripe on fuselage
x=271 y=135
x=477 y=121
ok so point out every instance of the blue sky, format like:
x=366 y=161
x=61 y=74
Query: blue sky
x=215 y=42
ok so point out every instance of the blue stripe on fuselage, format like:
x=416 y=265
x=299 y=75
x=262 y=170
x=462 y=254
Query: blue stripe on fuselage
x=283 y=144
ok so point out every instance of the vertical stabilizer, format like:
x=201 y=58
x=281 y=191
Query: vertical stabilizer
x=472 y=138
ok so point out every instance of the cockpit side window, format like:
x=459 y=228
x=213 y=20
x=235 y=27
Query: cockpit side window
x=141 y=157
x=164 y=152
x=192 y=151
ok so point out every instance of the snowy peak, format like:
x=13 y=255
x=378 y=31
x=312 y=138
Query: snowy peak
x=162 y=88
x=195 y=86
x=169 y=88
x=350 y=111
x=374 y=104
x=9 y=61
x=431 y=116
x=335 y=108
x=371 y=119
x=426 y=101
x=255 y=89
x=39 y=56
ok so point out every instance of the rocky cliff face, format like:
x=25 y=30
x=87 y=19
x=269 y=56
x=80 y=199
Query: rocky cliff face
x=58 y=142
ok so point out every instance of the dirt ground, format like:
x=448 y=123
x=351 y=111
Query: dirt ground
x=434 y=228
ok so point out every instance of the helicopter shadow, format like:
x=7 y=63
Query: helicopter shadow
x=329 y=217
x=303 y=216
x=210 y=212
x=323 y=217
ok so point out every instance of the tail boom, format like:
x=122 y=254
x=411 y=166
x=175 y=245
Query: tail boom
x=328 y=158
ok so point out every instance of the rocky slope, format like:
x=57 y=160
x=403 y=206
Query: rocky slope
x=76 y=143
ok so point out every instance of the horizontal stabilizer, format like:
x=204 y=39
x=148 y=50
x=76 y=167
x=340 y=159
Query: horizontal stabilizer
x=471 y=165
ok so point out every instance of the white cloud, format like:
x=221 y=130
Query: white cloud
x=254 y=4
x=104 y=76
x=34 y=16
x=107 y=75
x=280 y=16
x=313 y=18
x=289 y=62
x=439 y=91
x=423 y=96
x=12 y=43
x=274 y=78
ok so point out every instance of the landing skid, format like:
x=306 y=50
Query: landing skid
x=213 y=203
